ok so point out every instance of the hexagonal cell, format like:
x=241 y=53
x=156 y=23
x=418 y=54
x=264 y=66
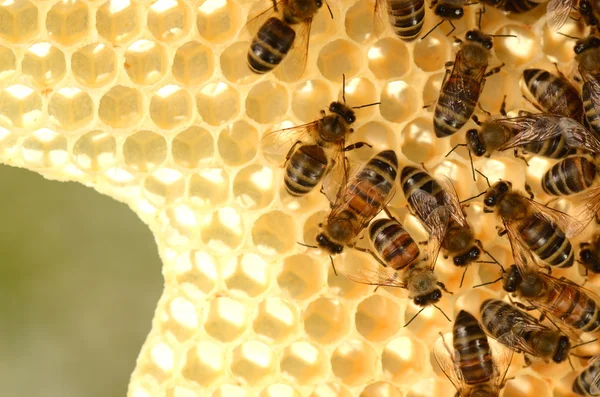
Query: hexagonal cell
x=196 y=273
x=226 y=319
x=378 y=318
x=339 y=57
x=253 y=363
x=117 y=21
x=45 y=148
x=527 y=385
x=192 y=147
x=309 y=98
x=516 y=52
x=254 y=186
x=44 y=63
x=354 y=362
x=181 y=319
x=403 y=360
x=8 y=62
x=223 y=230
x=359 y=21
x=20 y=106
x=433 y=52
x=399 y=101
x=95 y=151
x=217 y=103
x=168 y=20
x=234 y=65
x=209 y=187
x=219 y=20
x=267 y=102
x=159 y=360
x=304 y=363
x=71 y=108
x=247 y=274
x=273 y=233
x=375 y=133
x=121 y=107
x=331 y=389
x=301 y=276
x=67 y=22
x=276 y=320
x=193 y=63
x=205 y=364
x=171 y=107
x=326 y=320
x=8 y=139
x=279 y=390
x=238 y=143
x=94 y=65
x=144 y=150
x=231 y=391
x=163 y=187
x=359 y=92
x=389 y=58
x=380 y=389
x=19 y=21
x=417 y=141
x=432 y=90
x=145 y=62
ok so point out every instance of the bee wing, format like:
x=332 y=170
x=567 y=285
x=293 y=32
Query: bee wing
x=336 y=179
x=380 y=18
x=453 y=202
x=502 y=361
x=557 y=13
x=437 y=222
x=524 y=258
x=422 y=205
x=384 y=277
x=514 y=340
x=299 y=51
x=568 y=225
x=595 y=384
x=273 y=142
x=447 y=362
x=587 y=210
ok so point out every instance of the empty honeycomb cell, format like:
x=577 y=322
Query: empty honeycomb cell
x=145 y=62
x=223 y=230
x=431 y=90
x=276 y=320
x=274 y=233
x=145 y=150
x=231 y=391
x=267 y=102
x=192 y=147
x=205 y=364
x=193 y=63
x=377 y=134
x=343 y=286
x=181 y=223
x=181 y=320
x=95 y=151
x=20 y=106
x=309 y=98
x=234 y=64
x=209 y=187
x=160 y=360
x=361 y=91
x=359 y=21
x=279 y=390
x=94 y=65
x=302 y=276
x=326 y=320
x=403 y=360
x=339 y=57
x=168 y=20
x=171 y=107
x=20 y=21
x=196 y=273
x=331 y=389
x=164 y=186
x=253 y=363
x=118 y=21
x=527 y=385
x=304 y=363
x=389 y=58
x=44 y=63
x=354 y=362
x=217 y=103
x=67 y=22
x=380 y=389
x=433 y=52
x=378 y=318
x=219 y=20
x=254 y=186
x=71 y=108
x=238 y=143
x=226 y=319
x=517 y=51
x=431 y=387
x=8 y=62
x=501 y=82
x=247 y=273
x=7 y=139
x=45 y=148
x=417 y=139
x=399 y=101
x=121 y=107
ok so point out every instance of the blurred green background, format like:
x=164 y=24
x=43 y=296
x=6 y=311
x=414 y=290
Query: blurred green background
x=80 y=277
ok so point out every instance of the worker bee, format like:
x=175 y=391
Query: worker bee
x=589 y=11
x=522 y=332
x=587 y=55
x=572 y=175
x=447 y=10
x=471 y=368
x=587 y=382
x=589 y=255
x=392 y=243
x=514 y=6
x=405 y=17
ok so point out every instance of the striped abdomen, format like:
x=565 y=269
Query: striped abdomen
x=554 y=94
x=569 y=176
x=406 y=17
x=588 y=381
x=456 y=104
x=520 y=6
x=591 y=104
x=412 y=179
x=474 y=357
x=554 y=148
x=546 y=241
x=305 y=169
x=393 y=244
x=270 y=45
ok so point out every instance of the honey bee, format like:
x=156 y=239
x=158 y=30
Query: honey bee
x=393 y=244
x=522 y=332
x=588 y=381
x=514 y=6
x=447 y=10
x=589 y=11
x=589 y=255
x=587 y=55
x=405 y=17
x=572 y=175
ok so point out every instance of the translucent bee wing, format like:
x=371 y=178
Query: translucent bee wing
x=336 y=179
x=524 y=258
x=569 y=226
x=595 y=384
x=384 y=277
x=512 y=339
x=453 y=202
x=298 y=54
x=437 y=222
x=380 y=18
x=587 y=210
x=422 y=204
x=557 y=13
x=276 y=142
x=447 y=362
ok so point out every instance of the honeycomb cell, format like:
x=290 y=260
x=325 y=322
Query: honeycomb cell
x=19 y=21
x=276 y=320
x=205 y=364
x=527 y=385
x=217 y=103
x=331 y=389
x=248 y=274
x=403 y=360
x=234 y=64
x=163 y=187
x=433 y=52
x=181 y=319
x=309 y=98
x=378 y=318
x=196 y=273
x=279 y=390
x=118 y=21
x=209 y=187
x=95 y=151
x=219 y=20
x=302 y=276
x=326 y=320
x=432 y=387
x=389 y=59
x=354 y=362
x=145 y=62
x=238 y=143
x=267 y=102
x=8 y=139
x=517 y=51
x=223 y=230
x=375 y=133
x=253 y=363
x=432 y=90
x=231 y=391
x=417 y=139
x=380 y=389
x=254 y=187
x=67 y=22
x=339 y=57
x=304 y=363
x=44 y=63
x=226 y=319
x=193 y=63
x=171 y=107
x=399 y=101
x=359 y=22
x=359 y=92
x=192 y=147
x=45 y=148
x=8 y=62
x=168 y=20
x=94 y=65
x=273 y=233
x=144 y=150
x=121 y=107
x=71 y=108
x=20 y=106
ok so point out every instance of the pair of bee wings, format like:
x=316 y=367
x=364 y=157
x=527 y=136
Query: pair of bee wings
x=543 y=126
x=558 y=11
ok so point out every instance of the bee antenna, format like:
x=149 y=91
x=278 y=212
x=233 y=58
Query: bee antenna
x=454 y=148
x=474 y=197
x=367 y=105
x=329 y=8
x=306 y=245
x=480 y=12
x=502 y=35
x=432 y=29
x=333 y=265
x=463 y=277
x=488 y=283
x=344 y=87
x=569 y=37
x=413 y=317
x=584 y=343
x=493 y=259
x=484 y=177
x=437 y=307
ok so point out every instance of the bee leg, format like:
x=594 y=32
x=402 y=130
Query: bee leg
x=527 y=360
x=462 y=279
x=558 y=71
x=368 y=251
x=275 y=5
x=453 y=28
x=503 y=107
x=357 y=145
x=520 y=156
x=423 y=166
x=494 y=70
x=529 y=191
x=290 y=152
x=443 y=287
x=483 y=110
x=501 y=231
x=476 y=119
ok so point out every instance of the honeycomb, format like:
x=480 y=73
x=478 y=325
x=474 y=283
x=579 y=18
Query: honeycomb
x=151 y=103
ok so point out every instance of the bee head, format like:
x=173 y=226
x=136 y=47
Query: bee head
x=319 y=3
x=327 y=244
x=428 y=299
x=588 y=259
x=447 y=12
x=480 y=37
x=474 y=144
x=586 y=43
x=496 y=192
x=468 y=257
x=343 y=111
x=512 y=279
x=562 y=350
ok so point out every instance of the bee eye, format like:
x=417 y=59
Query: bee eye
x=488 y=45
x=489 y=201
x=351 y=119
x=470 y=35
x=418 y=300
x=338 y=249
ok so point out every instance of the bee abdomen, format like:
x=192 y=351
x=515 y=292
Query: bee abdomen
x=305 y=169
x=586 y=384
x=554 y=148
x=270 y=45
x=592 y=112
x=570 y=176
x=554 y=93
x=547 y=243
x=395 y=246
x=406 y=17
x=520 y=6
x=473 y=349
